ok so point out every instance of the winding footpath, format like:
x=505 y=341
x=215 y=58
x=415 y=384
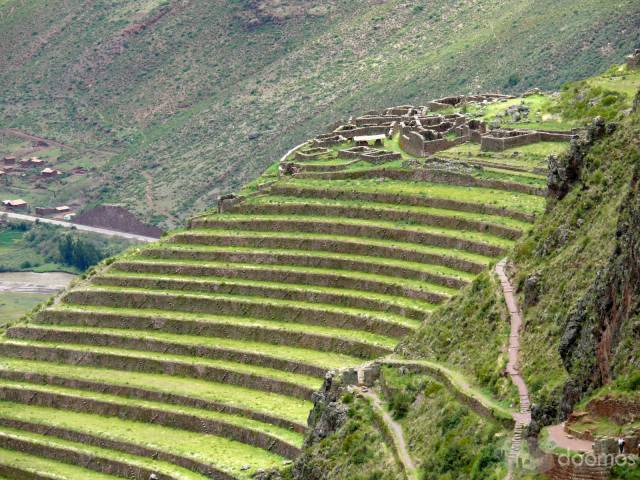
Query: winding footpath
x=395 y=430
x=523 y=417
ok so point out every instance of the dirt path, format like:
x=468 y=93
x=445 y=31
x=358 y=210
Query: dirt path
x=34 y=138
x=523 y=417
x=558 y=436
x=396 y=433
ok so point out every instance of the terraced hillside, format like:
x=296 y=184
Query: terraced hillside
x=198 y=356
x=168 y=126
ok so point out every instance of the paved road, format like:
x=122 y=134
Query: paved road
x=82 y=228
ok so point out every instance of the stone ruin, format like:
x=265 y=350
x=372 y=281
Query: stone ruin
x=502 y=139
x=424 y=135
x=311 y=153
x=328 y=140
x=369 y=154
x=423 y=132
x=456 y=101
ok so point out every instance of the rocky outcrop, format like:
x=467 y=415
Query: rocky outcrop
x=564 y=170
x=328 y=413
x=592 y=345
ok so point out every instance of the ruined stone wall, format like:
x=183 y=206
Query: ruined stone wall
x=620 y=410
x=490 y=143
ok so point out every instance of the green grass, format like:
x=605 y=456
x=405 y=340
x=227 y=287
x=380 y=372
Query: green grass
x=498 y=198
x=283 y=434
x=228 y=455
x=312 y=254
x=382 y=316
x=175 y=242
x=267 y=373
x=248 y=267
x=327 y=360
x=13 y=305
x=284 y=287
x=48 y=468
x=405 y=226
x=383 y=207
x=282 y=406
x=467 y=387
x=83 y=449
x=356 y=335
x=169 y=112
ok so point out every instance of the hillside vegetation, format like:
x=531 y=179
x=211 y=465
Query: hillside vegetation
x=203 y=354
x=183 y=100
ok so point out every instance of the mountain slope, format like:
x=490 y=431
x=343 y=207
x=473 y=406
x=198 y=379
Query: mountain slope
x=195 y=98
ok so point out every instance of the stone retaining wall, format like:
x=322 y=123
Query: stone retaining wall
x=162 y=346
x=311 y=261
x=181 y=421
x=150 y=365
x=275 y=336
x=427 y=175
x=620 y=410
x=562 y=470
x=222 y=306
x=125 y=447
x=400 y=199
x=334 y=280
x=372 y=213
x=356 y=230
x=148 y=395
x=301 y=295
x=320 y=244
x=15 y=473
x=81 y=459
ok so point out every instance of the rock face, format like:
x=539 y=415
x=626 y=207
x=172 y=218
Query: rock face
x=327 y=416
x=593 y=341
x=565 y=171
x=328 y=413
x=531 y=290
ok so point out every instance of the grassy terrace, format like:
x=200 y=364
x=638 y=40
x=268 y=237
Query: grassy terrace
x=365 y=228
x=197 y=356
x=227 y=455
x=90 y=315
x=308 y=205
x=40 y=467
x=313 y=259
x=233 y=396
x=33 y=442
x=475 y=195
x=86 y=398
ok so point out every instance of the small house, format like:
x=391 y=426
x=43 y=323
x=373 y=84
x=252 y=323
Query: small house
x=17 y=204
x=50 y=172
x=9 y=160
